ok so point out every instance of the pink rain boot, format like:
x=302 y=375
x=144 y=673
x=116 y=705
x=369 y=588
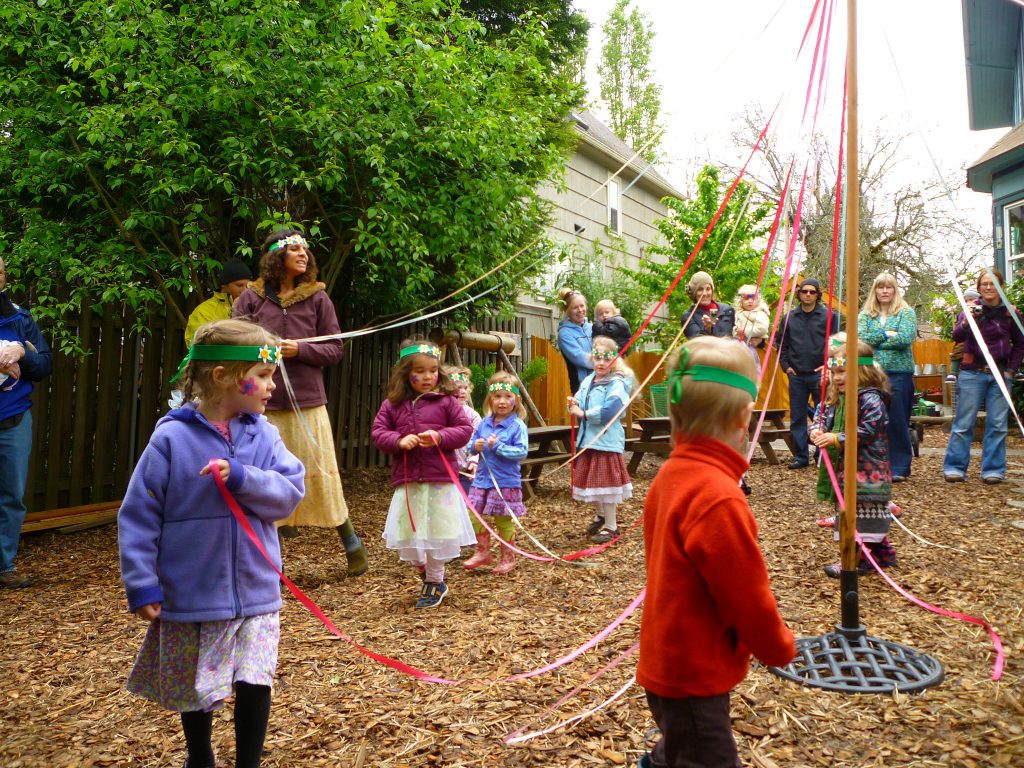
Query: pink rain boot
x=506 y=563
x=483 y=555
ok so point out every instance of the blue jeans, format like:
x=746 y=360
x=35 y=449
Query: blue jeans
x=898 y=431
x=801 y=387
x=974 y=390
x=15 y=449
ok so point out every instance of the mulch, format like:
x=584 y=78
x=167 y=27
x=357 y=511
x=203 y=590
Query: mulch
x=67 y=644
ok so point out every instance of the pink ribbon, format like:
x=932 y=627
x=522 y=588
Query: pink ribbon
x=997 y=668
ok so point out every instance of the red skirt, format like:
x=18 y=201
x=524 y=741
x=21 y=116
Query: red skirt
x=601 y=476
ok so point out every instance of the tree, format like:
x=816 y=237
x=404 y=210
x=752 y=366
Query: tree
x=730 y=254
x=633 y=100
x=905 y=227
x=567 y=27
x=145 y=142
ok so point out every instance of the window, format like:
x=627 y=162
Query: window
x=1013 y=227
x=614 y=208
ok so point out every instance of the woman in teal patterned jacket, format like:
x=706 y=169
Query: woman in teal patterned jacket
x=889 y=325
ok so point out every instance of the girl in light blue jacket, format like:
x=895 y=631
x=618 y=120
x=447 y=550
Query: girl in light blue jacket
x=600 y=475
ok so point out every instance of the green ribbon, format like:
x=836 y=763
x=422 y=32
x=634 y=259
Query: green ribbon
x=707 y=373
x=226 y=352
x=421 y=349
x=503 y=386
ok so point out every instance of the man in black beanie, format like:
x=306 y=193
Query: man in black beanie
x=802 y=345
x=233 y=278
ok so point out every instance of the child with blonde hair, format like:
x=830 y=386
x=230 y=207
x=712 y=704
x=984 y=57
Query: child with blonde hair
x=422 y=424
x=212 y=602
x=600 y=476
x=462 y=381
x=874 y=474
x=709 y=605
x=753 y=319
x=608 y=321
x=501 y=442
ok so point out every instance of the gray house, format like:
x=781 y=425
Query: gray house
x=620 y=217
x=994 y=54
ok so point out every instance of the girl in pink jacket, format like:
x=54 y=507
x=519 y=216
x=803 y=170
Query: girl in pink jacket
x=423 y=424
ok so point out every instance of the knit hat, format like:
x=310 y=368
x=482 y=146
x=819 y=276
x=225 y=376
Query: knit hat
x=698 y=281
x=813 y=283
x=233 y=269
x=971 y=293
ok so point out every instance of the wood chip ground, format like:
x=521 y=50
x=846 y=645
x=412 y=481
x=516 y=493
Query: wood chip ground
x=67 y=644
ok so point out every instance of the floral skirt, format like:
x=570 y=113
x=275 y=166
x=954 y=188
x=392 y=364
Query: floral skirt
x=324 y=505
x=601 y=476
x=428 y=517
x=185 y=667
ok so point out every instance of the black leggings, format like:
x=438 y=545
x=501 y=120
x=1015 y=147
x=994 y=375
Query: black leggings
x=252 y=711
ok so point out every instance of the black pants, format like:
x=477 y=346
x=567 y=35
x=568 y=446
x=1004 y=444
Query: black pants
x=696 y=732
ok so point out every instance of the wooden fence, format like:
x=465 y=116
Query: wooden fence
x=92 y=417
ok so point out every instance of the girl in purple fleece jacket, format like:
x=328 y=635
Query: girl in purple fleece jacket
x=422 y=424
x=212 y=601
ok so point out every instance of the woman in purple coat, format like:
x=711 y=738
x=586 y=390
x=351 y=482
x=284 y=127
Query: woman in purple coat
x=422 y=424
x=288 y=300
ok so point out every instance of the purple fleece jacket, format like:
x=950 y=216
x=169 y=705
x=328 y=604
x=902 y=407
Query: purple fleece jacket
x=180 y=545
x=432 y=410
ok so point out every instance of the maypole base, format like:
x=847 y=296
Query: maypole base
x=852 y=661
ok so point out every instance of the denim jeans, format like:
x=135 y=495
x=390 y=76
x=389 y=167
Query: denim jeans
x=975 y=390
x=15 y=449
x=898 y=431
x=801 y=387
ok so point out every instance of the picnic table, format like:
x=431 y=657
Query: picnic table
x=548 y=445
x=656 y=432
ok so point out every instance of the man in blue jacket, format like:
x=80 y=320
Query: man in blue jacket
x=24 y=358
x=802 y=344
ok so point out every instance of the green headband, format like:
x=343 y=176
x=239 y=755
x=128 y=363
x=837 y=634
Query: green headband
x=290 y=240
x=457 y=377
x=421 y=349
x=707 y=373
x=840 y=362
x=230 y=352
x=503 y=386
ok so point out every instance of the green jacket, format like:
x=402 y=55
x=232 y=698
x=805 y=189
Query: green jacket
x=217 y=307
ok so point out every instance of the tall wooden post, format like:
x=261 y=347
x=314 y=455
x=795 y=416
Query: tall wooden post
x=847 y=542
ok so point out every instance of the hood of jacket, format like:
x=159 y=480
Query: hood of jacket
x=302 y=292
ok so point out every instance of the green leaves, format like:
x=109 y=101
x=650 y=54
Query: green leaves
x=167 y=138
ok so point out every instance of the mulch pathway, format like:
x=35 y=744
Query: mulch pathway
x=67 y=644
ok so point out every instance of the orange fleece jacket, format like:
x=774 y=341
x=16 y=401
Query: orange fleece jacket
x=709 y=605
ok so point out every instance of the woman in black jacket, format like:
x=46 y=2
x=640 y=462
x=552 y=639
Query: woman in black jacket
x=707 y=317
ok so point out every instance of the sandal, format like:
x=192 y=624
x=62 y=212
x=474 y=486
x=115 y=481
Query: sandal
x=604 y=535
x=595 y=525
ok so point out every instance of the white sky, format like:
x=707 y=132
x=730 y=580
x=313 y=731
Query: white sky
x=712 y=59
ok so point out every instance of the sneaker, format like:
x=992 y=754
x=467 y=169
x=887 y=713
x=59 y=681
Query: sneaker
x=895 y=509
x=595 y=525
x=432 y=594
x=899 y=478
x=14 y=580
x=953 y=477
x=951 y=377
x=744 y=486
x=604 y=536
x=992 y=480
x=827 y=522
x=798 y=464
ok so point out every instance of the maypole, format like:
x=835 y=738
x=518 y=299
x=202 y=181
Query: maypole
x=850 y=660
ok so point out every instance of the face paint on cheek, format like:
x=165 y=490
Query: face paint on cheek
x=414 y=379
x=247 y=386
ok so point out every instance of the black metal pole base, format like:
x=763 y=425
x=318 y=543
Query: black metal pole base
x=852 y=661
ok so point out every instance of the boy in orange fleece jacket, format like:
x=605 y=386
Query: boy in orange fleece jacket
x=709 y=605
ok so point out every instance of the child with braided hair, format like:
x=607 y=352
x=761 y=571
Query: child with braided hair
x=501 y=442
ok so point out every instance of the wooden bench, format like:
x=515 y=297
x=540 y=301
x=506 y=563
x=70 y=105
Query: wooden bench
x=533 y=466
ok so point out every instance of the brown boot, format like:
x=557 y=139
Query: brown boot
x=506 y=563
x=483 y=555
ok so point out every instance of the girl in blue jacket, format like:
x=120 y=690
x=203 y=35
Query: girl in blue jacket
x=212 y=601
x=600 y=476
x=502 y=443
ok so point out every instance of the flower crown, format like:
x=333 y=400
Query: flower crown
x=602 y=354
x=503 y=386
x=421 y=349
x=458 y=376
x=230 y=352
x=286 y=241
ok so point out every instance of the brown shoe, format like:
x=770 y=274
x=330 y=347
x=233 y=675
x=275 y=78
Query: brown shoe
x=14 y=580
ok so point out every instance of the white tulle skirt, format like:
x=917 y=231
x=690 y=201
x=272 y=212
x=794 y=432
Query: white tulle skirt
x=428 y=517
